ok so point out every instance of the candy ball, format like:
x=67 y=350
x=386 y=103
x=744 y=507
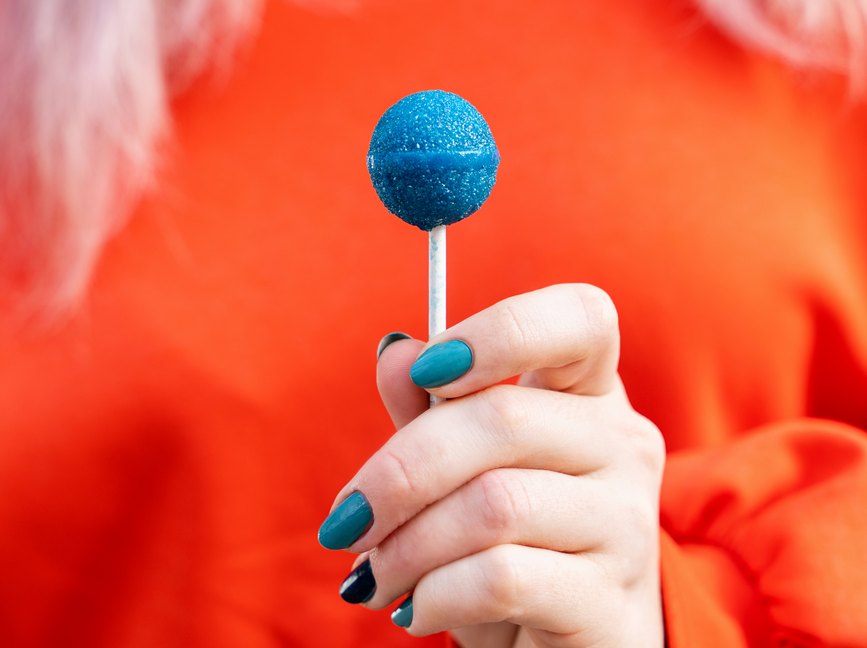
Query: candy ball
x=432 y=159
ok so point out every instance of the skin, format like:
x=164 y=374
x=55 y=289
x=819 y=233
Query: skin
x=520 y=515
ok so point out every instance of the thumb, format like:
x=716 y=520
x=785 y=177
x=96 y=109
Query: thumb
x=401 y=397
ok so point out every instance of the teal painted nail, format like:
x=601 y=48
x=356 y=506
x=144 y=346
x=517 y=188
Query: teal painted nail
x=402 y=615
x=347 y=523
x=388 y=340
x=442 y=364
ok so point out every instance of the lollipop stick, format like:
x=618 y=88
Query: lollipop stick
x=436 y=313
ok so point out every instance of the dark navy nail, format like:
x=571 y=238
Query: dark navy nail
x=402 y=615
x=442 y=364
x=347 y=523
x=388 y=340
x=360 y=585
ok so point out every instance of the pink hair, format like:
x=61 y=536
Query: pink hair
x=84 y=100
x=819 y=34
x=85 y=88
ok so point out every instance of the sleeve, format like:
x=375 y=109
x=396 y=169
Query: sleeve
x=764 y=541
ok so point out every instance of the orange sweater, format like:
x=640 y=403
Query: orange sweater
x=167 y=456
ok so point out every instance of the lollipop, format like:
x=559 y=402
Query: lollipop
x=433 y=162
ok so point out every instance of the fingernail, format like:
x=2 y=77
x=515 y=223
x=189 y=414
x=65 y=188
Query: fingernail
x=388 y=340
x=442 y=364
x=359 y=586
x=347 y=523
x=402 y=616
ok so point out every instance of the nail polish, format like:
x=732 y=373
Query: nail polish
x=441 y=364
x=347 y=523
x=402 y=615
x=360 y=585
x=388 y=340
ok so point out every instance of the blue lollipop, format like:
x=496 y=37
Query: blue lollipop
x=432 y=159
x=433 y=162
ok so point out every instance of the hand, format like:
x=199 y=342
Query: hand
x=516 y=515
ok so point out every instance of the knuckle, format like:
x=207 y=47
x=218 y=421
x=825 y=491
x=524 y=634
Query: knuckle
x=513 y=325
x=637 y=566
x=598 y=305
x=501 y=582
x=643 y=520
x=504 y=410
x=649 y=444
x=599 y=312
x=502 y=502
x=399 y=473
x=637 y=548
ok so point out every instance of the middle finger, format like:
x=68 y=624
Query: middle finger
x=505 y=426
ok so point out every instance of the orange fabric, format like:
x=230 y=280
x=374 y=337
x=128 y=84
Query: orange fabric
x=167 y=455
x=770 y=536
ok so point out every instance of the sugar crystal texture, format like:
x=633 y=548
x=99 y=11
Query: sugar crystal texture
x=432 y=159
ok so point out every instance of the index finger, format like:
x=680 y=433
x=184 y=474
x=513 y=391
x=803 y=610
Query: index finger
x=566 y=336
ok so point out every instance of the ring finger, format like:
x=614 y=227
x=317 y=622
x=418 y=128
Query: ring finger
x=535 y=508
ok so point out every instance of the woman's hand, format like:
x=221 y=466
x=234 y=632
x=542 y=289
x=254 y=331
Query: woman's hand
x=514 y=515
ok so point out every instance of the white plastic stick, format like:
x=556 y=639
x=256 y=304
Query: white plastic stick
x=436 y=313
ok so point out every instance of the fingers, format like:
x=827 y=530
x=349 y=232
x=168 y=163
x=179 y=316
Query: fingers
x=509 y=504
x=566 y=335
x=543 y=590
x=504 y=506
x=402 y=398
x=452 y=443
x=562 y=599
